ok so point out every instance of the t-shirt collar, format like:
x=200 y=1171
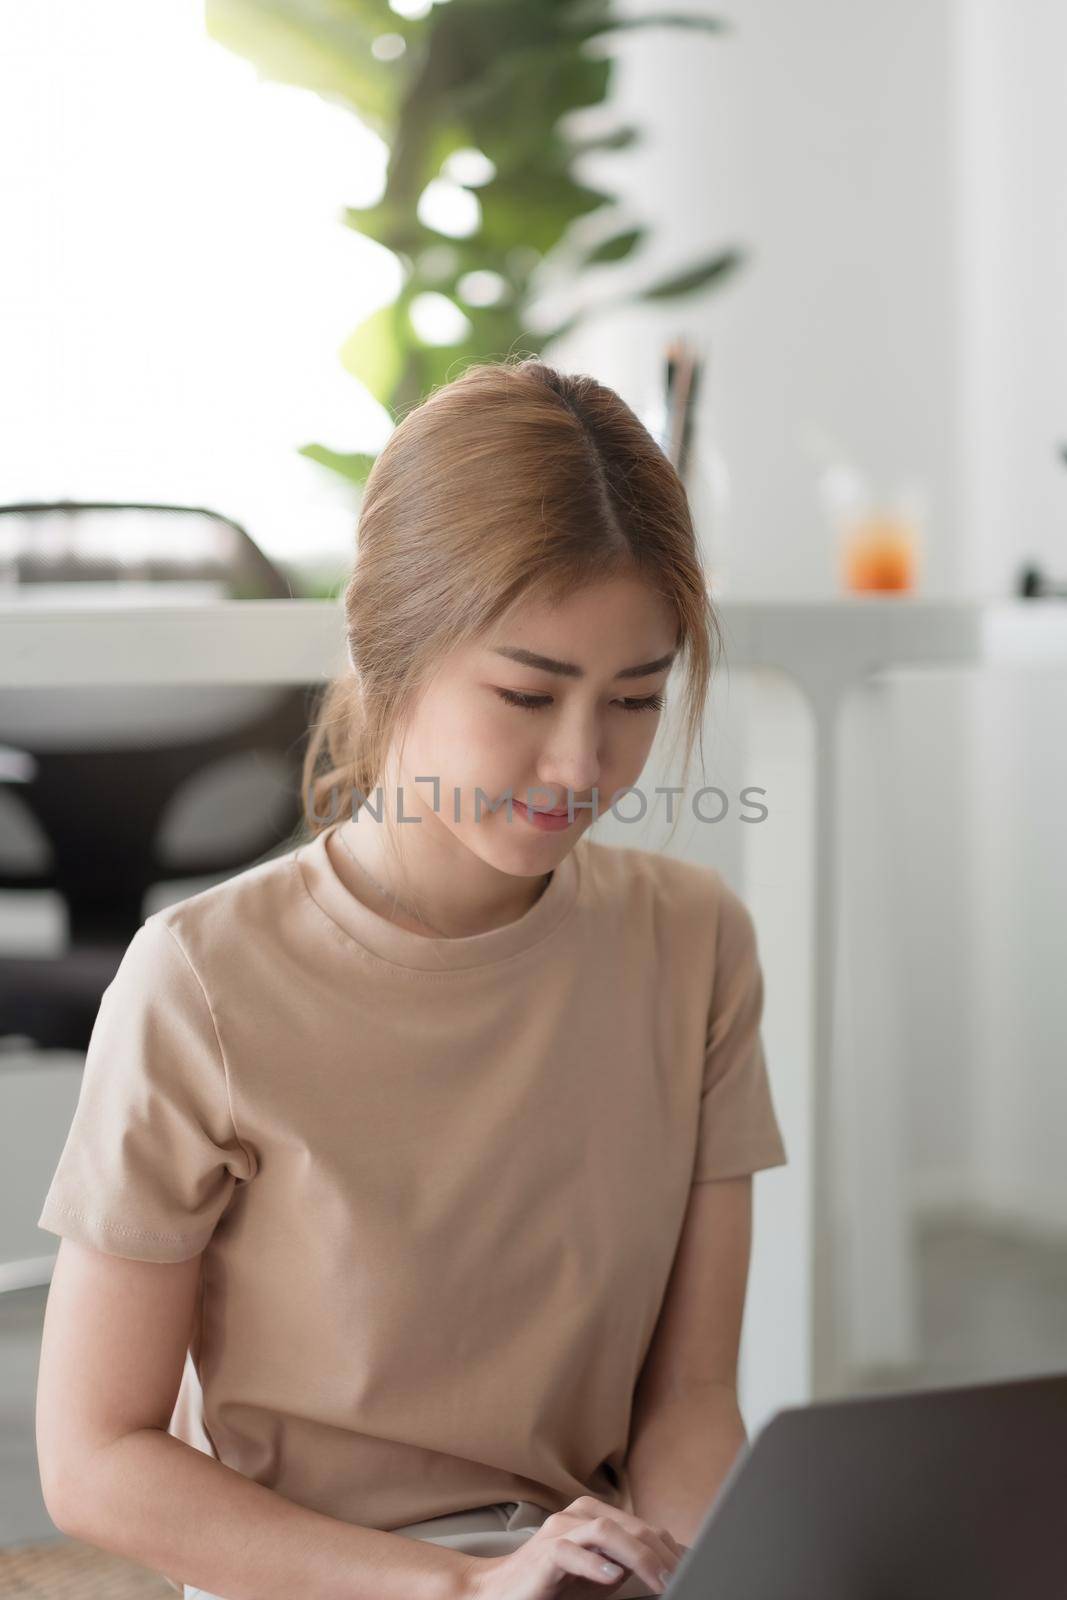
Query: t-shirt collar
x=403 y=948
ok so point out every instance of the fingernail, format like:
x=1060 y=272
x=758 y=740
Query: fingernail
x=611 y=1569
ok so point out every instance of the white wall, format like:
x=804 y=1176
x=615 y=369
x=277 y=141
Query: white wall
x=897 y=173
x=819 y=136
x=1013 y=267
x=1013 y=398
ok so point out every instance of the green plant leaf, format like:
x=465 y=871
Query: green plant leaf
x=355 y=466
x=371 y=353
x=321 y=47
x=694 y=278
x=536 y=208
x=386 y=222
x=619 y=139
x=617 y=248
x=667 y=19
x=502 y=77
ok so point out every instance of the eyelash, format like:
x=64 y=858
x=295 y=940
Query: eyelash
x=652 y=702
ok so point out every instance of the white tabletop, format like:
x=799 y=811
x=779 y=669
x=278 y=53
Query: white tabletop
x=71 y=644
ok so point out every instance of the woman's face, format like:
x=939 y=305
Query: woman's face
x=491 y=721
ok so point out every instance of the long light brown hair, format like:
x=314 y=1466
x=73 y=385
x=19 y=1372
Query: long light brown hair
x=513 y=482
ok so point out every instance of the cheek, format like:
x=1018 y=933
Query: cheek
x=642 y=736
x=478 y=743
x=633 y=744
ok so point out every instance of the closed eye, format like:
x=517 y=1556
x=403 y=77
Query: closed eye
x=533 y=702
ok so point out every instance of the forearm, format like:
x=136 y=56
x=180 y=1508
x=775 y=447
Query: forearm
x=680 y=1453
x=160 y=1502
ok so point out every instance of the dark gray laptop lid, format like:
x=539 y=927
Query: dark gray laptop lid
x=935 y=1494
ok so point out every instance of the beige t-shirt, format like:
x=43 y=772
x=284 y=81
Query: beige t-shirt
x=438 y=1207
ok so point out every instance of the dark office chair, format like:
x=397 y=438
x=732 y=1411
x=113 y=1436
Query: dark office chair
x=126 y=541
x=107 y=792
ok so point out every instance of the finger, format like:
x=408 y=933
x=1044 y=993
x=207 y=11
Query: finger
x=582 y=1561
x=643 y=1555
x=656 y=1539
x=666 y=1543
x=660 y=1542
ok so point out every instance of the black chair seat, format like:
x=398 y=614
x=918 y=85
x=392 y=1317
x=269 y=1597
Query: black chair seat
x=53 y=1001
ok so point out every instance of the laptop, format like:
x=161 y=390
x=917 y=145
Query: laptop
x=934 y=1494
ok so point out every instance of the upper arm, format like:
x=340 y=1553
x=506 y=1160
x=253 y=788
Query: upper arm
x=113 y=1348
x=697 y=1337
x=737 y=1128
x=152 y=1158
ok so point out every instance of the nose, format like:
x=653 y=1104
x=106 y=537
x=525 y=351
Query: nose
x=572 y=765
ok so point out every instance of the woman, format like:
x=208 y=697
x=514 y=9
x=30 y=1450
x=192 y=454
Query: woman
x=388 y=1149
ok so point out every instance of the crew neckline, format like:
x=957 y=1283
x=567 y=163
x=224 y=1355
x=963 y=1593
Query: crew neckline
x=403 y=948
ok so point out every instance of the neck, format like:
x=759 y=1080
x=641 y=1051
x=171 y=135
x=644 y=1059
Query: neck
x=457 y=899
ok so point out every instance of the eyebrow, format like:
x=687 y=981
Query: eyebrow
x=568 y=669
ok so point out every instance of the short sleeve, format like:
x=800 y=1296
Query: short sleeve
x=738 y=1129
x=152 y=1156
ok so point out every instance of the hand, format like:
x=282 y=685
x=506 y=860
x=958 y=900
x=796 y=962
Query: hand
x=563 y=1559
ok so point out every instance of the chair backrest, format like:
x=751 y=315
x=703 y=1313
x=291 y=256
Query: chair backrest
x=101 y=819
x=60 y=542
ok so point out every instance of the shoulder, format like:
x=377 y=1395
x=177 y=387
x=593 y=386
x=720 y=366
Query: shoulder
x=628 y=879
x=219 y=925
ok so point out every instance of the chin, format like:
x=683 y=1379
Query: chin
x=531 y=857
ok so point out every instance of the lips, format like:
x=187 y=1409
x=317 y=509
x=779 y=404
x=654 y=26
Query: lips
x=528 y=805
x=557 y=811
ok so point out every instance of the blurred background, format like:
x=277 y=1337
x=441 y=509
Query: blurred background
x=820 y=246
